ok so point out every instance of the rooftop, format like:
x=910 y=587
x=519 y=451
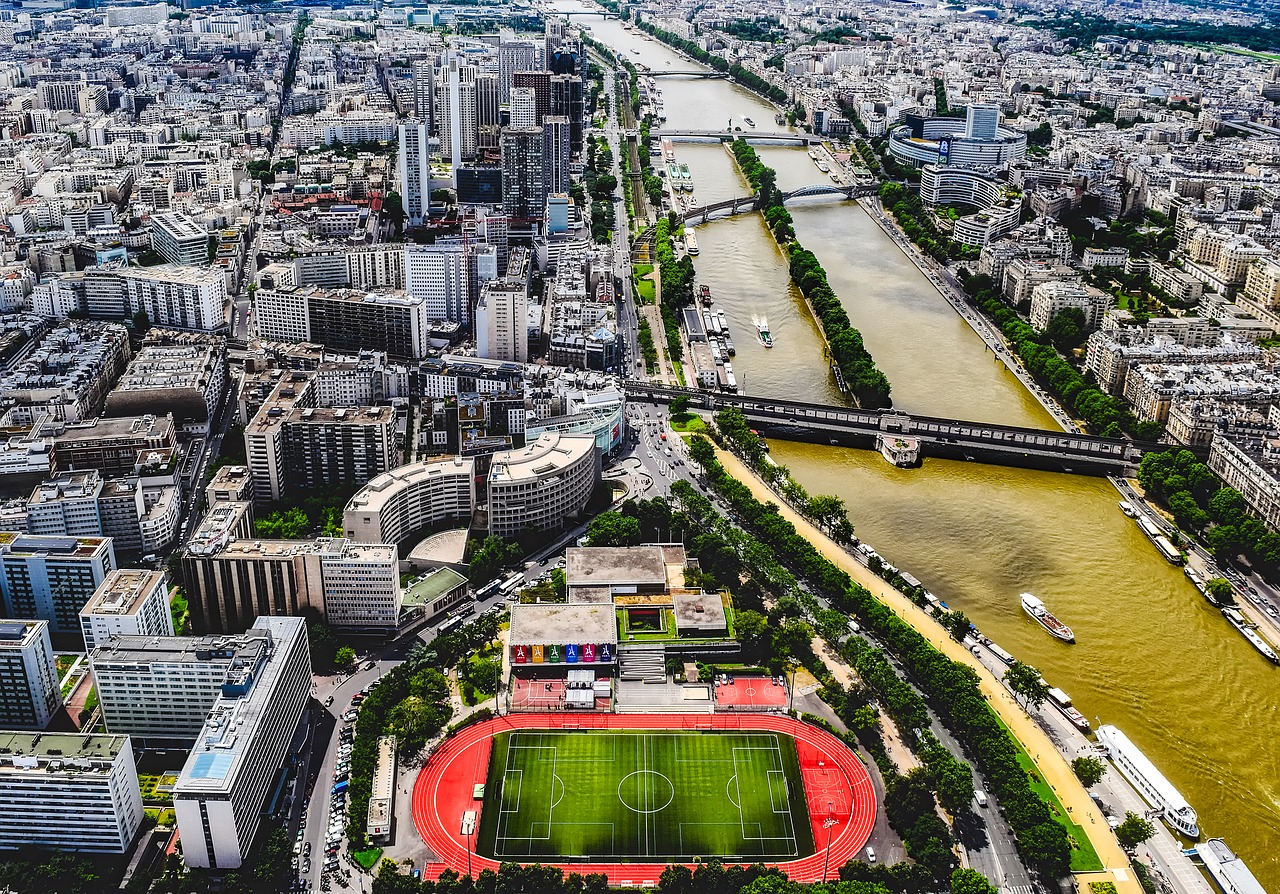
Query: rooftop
x=563 y=624
x=375 y=495
x=699 y=612
x=146 y=650
x=615 y=566
x=428 y=589
x=18 y=544
x=57 y=751
x=123 y=592
x=553 y=452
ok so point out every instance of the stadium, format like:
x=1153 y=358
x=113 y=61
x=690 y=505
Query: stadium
x=627 y=794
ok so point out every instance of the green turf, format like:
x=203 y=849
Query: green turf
x=644 y=796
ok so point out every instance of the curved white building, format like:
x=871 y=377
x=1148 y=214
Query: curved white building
x=977 y=142
x=951 y=186
x=411 y=498
x=543 y=483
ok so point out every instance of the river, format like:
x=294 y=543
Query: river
x=1152 y=656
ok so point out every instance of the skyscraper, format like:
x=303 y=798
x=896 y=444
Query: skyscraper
x=456 y=108
x=414 y=166
x=524 y=108
x=437 y=275
x=513 y=56
x=540 y=81
x=424 y=86
x=555 y=153
x=524 y=188
x=566 y=100
x=502 y=313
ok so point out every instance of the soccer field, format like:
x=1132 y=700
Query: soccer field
x=644 y=795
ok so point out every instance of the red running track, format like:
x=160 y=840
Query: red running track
x=836 y=786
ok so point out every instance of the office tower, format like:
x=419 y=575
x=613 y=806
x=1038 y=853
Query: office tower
x=568 y=59
x=513 y=56
x=456 y=108
x=524 y=188
x=30 y=693
x=233 y=768
x=981 y=121
x=488 y=100
x=424 y=89
x=555 y=153
x=129 y=601
x=540 y=81
x=566 y=100
x=553 y=37
x=437 y=275
x=51 y=578
x=179 y=239
x=524 y=108
x=414 y=167
x=502 y=313
x=68 y=792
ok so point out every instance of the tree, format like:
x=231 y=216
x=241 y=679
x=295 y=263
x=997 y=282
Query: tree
x=1220 y=589
x=957 y=624
x=1067 y=329
x=613 y=529
x=679 y=404
x=1134 y=830
x=344 y=658
x=141 y=323
x=970 y=881
x=1089 y=770
x=322 y=645
x=490 y=557
x=1026 y=682
x=1046 y=847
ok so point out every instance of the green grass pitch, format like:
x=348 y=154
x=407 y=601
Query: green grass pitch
x=644 y=796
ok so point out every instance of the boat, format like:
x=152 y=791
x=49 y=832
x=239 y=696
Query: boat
x=729 y=348
x=1127 y=508
x=762 y=332
x=813 y=153
x=1062 y=702
x=691 y=243
x=824 y=167
x=747 y=121
x=1150 y=782
x=635 y=52
x=722 y=322
x=704 y=294
x=1161 y=542
x=835 y=178
x=1237 y=620
x=1035 y=608
x=1228 y=870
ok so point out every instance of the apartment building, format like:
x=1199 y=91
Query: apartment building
x=30 y=694
x=128 y=602
x=177 y=296
x=113 y=446
x=243 y=744
x=179 y=239
x=68 y=792
x=51 y=578
x=542 y=485
x=411 y=499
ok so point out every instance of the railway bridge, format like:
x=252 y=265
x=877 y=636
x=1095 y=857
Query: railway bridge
x=946 y=438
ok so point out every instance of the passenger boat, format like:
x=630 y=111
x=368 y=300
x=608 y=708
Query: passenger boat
x=1035 y=608
x=747 y=121
x=1062 y=702
x=1150 y=782
x=691 y=243
x=762 y=332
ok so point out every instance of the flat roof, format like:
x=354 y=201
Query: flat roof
x=591 y=595
x=551 y=454
x=122 y=592
x=39 y=544
x=699 y=611
x=615 y=566
x=444 y=548
x=68 y=747
x=427 y=590
x=374 y=496
x=130 y=648
x=563 y=625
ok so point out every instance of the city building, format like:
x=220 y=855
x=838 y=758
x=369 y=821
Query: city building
x=179 y=239
x=1000 y=211
x=410 y=500
x=185 y=381
x=51 y=578
x=345 y=319
x=1048 y=299
x=524 y=182
x=68 y=792
x=541 y=485
x=1250 y=463
x=438 y=277
x=502 y=313
x=382 y=792
x=414 y=168
x=114 y=446
x=138 y=512
x=972 y=143
x=177 y=297
x=128 y=602
x=242 y=748
x=30 y=691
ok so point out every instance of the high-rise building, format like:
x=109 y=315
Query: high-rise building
x=488 y=100
x=513 y=56
x=555 y=153
x=502 y=313
x=437 y=276
x=68 y=792
x=981 y=121
x=51 y=578
x=30 y=693
x=414 y=167
x=456 y=108
x=129 y=601
x=424 y=89
x=566 y=100
x=163 y=687
x=524 y=108
x=225 y=782
x=553 y=37
x=540 y=82
x=179 y=239
x=60 y=90
x=524 y=187
x=177 y=297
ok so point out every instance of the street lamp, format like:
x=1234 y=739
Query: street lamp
x=829 y=823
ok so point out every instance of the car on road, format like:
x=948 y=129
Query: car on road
x=871 y=855
x=349 y=716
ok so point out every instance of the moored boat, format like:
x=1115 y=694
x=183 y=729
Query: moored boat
x=1036 y=609
x=1150 y=782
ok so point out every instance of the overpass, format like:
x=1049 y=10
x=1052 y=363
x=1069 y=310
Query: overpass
x=751 y=136
x=987 y=442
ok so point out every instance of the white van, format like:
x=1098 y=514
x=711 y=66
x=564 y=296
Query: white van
x=980 y=796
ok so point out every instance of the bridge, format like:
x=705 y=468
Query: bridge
x=751 y=136
x=690 y=73
x=948 y=438
x=748 y=204
x=582 y=12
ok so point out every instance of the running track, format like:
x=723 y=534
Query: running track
x=836 y=784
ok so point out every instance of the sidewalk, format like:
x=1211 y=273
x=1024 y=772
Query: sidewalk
x=1051 y=764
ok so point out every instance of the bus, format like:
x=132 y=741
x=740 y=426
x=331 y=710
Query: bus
x=488 y=590
x=450 y=625
x=511 y=584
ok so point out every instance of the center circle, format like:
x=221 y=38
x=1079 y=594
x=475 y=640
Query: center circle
x=646 y=791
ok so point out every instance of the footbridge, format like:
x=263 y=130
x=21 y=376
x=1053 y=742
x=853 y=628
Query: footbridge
x=948 y=438
x=751 y=136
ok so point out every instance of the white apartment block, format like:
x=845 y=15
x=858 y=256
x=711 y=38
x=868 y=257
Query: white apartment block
x=177 y=297
x=68 y=792
x=129 y=602
x=414 y=167
x=543 y=484
x=361 y=584
x=437 y=275
x=179 y=239
x=410 y=499
x=30 y=693
x=282 y=314
x=1048 y=299
x=502 y=321
x=52 y=578
x=227 y=777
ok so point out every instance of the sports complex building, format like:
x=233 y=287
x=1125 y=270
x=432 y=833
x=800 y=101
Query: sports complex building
x=580 y=774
